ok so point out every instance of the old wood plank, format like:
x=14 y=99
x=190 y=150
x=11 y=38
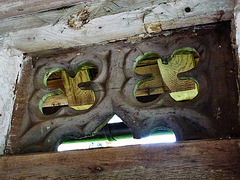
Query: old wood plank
x=19 y=7
x=96 y=9
x=181 y=89
x=178 y=64
x=152 y=87
x=166 y=78
x=77 y=98
x=59 y=100
x=56 y=83
x=207 y=159
x=145 y=20
x=72 y=94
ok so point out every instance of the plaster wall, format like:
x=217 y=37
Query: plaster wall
x=10 y=71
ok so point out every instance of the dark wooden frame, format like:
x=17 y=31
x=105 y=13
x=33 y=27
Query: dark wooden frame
x=218 y=159
x=212 y=114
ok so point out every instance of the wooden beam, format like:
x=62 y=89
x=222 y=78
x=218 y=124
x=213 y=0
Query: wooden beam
x=77 y=98
x=180 y=89
x=152 y=87
x=179 y=64
x=114 y=26
x=72 y=95
x=19 y=7
x=219 y=159
x=58 y=100
x=96 y=9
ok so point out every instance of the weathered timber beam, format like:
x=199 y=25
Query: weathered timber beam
x=19 y=7
x=77 y=97
x=208 y=159
x=59 y=100
x=108 y=27
x=96 y=9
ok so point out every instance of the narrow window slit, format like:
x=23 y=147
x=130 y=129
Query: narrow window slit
x=115 y=134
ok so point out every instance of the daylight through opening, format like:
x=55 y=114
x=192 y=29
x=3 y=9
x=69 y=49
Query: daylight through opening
x=164 y=75
x=68 y=93
x=116 y=134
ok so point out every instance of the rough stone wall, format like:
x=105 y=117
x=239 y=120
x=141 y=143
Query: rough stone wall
x=10 y=71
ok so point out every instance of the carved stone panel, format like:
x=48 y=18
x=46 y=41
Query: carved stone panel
x=213 y=113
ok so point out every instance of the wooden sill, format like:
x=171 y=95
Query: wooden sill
x=205 y=159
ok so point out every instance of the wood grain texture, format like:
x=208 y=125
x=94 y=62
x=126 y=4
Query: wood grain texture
x=152 y=87
x=19 y=7
x=77 y=97
x=96 y=9
x=58 y=100
x=114 y=26
x=179 y=64
x=219 y=159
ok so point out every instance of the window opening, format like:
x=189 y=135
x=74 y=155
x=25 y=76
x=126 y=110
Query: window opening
x=68 y=93
x=164 y=75
x=115 y=134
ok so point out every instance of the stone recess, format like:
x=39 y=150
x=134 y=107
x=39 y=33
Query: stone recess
x=212 y=114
